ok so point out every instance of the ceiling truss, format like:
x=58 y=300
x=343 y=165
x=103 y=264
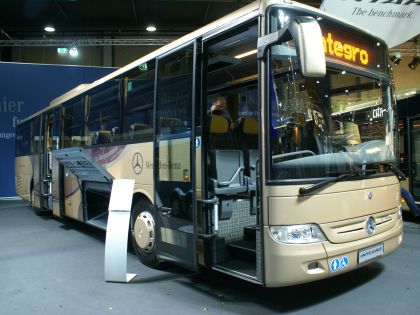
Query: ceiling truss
x=85 y=42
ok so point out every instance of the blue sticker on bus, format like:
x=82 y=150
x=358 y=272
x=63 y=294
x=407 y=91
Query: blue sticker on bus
x=197 y=143
x=335 y=264
x=339 y=263
x=344 y=262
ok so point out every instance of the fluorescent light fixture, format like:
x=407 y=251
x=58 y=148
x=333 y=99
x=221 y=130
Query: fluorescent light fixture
x=73 y=52
x=245 y=54
x=151 y=28
x=49 y=29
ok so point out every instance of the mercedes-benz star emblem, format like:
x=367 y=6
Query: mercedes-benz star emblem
x=370 y=225
x=369 y=195
x=137 y=163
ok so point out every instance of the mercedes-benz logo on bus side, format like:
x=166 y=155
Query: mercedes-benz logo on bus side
x=370 y=225
x=137 y=163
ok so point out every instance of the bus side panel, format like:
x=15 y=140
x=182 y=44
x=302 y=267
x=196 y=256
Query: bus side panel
x=133 y=161
x=23 y=176
x=73 y=206
x=120 y=161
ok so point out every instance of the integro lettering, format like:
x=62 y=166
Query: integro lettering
x=344 y=50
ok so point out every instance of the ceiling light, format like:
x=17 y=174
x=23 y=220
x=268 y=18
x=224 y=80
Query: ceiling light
x=395 y=58
x=49 y=29
x=73 y=52
x=245 y=54
x=413 y=64
x=151 y=28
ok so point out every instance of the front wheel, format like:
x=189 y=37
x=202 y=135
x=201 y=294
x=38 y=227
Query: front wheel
x=143 y=233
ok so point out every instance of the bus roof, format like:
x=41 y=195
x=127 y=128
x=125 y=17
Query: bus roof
x=240 y=15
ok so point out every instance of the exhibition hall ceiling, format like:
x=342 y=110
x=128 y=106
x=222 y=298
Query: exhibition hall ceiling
x=21 y=19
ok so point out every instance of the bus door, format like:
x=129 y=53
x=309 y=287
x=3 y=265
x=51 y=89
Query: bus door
x=45 y=171
x=415 y=157
x=56 y=168
x=231 y=152
x=174 y=157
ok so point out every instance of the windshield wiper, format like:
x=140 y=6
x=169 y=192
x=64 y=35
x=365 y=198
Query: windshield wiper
x=307 y=190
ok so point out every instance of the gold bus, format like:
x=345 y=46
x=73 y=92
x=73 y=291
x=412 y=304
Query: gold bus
x=261 y=146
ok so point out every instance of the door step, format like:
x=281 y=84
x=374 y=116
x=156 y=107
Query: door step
x=250 y=232
x=243 y=249
x=99 y=221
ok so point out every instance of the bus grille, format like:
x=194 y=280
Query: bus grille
x=355 y=229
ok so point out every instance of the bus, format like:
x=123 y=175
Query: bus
x=408 y=158
x=291 y=181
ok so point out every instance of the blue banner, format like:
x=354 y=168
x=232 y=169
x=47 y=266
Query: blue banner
x=25 y=89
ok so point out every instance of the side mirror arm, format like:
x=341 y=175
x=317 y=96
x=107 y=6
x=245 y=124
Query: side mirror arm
x=306 y=32
x=265 y=42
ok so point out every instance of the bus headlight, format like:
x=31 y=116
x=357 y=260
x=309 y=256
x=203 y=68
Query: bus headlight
x=297 y=234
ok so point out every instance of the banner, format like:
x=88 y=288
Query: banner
x=395 y=21
x=25 y=89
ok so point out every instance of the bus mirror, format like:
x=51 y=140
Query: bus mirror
x=307 y=34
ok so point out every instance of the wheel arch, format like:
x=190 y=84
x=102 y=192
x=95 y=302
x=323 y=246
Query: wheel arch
x=142 y=194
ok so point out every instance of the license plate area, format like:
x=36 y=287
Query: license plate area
x=371 y=252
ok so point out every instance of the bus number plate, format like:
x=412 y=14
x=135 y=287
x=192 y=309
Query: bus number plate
x=371 y=252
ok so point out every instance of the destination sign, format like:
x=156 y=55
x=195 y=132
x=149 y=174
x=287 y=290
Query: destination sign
x=339 y=49
x=343 y=43
x=353 y=47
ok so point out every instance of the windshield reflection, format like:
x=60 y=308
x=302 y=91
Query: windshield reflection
x=324 y=127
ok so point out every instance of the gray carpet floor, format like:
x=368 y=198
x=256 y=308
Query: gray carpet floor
x=53 y=266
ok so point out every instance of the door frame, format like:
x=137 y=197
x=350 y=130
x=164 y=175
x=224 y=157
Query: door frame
x=410 y=144
x=45 y=160
x=191 y=263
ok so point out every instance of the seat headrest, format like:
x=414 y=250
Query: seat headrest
x=76 y=140
x=249 y=126
x=103 y=136
x=218 y=124
x=170 y=122
x=135 y=127
x=352 y=132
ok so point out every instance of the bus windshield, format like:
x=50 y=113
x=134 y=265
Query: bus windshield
x=322 y=127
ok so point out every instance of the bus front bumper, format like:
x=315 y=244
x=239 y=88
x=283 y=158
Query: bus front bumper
x=290 y=264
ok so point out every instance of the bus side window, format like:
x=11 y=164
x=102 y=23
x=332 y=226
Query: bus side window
x=102 y=114
x=35 y=136
x=73 y=122
x=138 y=103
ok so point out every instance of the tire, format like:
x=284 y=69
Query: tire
x=143 y=233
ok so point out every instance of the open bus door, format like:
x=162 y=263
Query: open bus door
x=415 y=157
x=45 y=159
x=174 y=158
